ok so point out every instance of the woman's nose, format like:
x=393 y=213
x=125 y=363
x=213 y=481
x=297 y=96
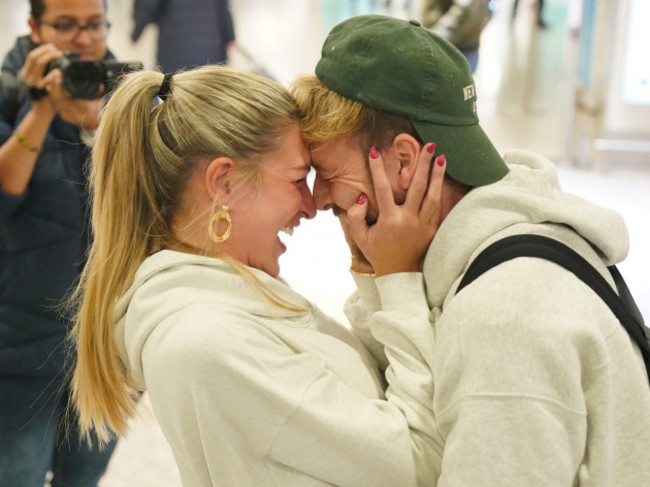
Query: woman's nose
x=322 y=194
x=309 y=208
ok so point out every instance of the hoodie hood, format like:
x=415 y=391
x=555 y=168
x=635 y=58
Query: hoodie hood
x=529 y=194
x=169 y=282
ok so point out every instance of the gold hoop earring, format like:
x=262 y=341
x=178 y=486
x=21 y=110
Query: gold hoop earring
x=221 y=214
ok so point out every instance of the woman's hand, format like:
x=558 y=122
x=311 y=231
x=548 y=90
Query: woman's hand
x=400 y=238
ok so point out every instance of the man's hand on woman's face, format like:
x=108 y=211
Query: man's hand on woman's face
x=400 y=238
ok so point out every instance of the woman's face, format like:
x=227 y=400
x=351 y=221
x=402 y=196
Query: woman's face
x=259 y=215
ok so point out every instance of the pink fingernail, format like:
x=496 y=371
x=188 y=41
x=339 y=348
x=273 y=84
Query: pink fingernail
x=431 y=148
x=362 y=198
x=442 y=160
x=374 y=153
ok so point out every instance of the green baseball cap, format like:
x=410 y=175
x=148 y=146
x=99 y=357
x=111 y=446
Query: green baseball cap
x=399 y=67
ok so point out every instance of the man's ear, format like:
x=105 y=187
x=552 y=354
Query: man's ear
x=406 y=149
x=217 y=177
x=35 y=33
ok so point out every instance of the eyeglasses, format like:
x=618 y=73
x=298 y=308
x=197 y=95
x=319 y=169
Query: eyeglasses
x=68 y=31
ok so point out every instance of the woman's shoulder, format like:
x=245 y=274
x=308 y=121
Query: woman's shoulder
x=212 y=333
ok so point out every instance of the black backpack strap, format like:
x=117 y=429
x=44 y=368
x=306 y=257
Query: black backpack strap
x=625 y=296
x=622 y=304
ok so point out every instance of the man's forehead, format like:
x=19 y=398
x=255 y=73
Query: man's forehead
x=74 y=8
x=320 y=161
x=337 y=157
x=327 y=152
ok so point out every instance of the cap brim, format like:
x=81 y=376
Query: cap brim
x=471 y=157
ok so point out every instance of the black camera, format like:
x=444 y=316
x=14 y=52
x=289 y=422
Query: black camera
x=84 y=79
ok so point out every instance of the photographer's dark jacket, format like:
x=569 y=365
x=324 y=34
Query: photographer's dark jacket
x=44 y=234
x=190 y=33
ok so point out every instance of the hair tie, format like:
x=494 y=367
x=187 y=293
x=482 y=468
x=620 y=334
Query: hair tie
x=165 y=87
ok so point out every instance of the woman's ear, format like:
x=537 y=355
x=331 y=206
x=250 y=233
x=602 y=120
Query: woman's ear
x=217 y=177
x=407 y=150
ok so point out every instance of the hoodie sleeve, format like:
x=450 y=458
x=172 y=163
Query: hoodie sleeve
x=375 y=442
x=288 y=407
x=359 y=308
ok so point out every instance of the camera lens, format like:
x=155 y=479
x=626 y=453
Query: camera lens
x=83 y=79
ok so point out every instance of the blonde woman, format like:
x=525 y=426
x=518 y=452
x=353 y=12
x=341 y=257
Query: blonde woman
x=193 y=178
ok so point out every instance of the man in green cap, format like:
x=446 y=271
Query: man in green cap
x=536 y=381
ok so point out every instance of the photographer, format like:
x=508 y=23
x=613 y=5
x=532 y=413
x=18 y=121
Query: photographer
x=44 y=235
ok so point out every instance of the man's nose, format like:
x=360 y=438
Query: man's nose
x=83 y=37
x=322 y=194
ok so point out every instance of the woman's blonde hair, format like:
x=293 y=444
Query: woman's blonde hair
x=143 y=156
x=327 y=115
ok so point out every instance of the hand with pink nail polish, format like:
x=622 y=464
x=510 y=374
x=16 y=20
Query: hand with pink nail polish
x=399 y=239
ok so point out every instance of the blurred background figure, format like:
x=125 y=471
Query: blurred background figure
x=190 y=32
x=540 y=12
x=459 y=21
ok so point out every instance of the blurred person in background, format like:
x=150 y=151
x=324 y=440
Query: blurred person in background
x=540 y=12
x=459 y=21
x=44 y=235
x=191 y=33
